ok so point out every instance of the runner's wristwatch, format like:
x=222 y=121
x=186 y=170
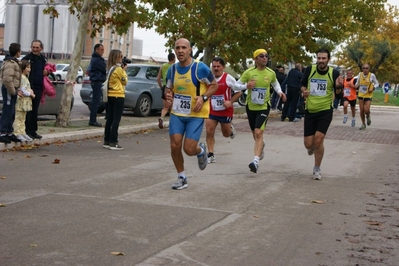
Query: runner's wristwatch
x=204 y=98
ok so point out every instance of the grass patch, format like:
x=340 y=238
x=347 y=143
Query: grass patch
x=378 y=99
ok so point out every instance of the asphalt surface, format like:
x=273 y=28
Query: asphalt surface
x=68 y=201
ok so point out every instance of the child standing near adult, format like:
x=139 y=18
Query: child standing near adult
x=24 y=103
x=11 y=77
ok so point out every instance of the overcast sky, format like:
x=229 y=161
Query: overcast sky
x=153 y=43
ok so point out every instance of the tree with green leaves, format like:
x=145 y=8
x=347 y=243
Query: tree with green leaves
x=233 y=29
x=118 y=15
x=288 y=30
x=378 y=47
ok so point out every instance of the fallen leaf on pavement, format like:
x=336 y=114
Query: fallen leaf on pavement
x=117 y=253
x=318 y=201
x=33 y=245
x=2 y=205
x=373 y=223
x=3 y=177
x=56 y=161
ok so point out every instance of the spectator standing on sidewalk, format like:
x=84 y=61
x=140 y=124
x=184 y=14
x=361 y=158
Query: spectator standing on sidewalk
x=116 y=99
x=349 y=95
x=293 y=83
x=98 y=74
x=11 y=78
x=36 y=77
x=258 y=80
x=366 y=84
x=189 y=85
x=221 y=107
x=276 y=101
x=24 y=103
x=319 y=83
x=161 y=79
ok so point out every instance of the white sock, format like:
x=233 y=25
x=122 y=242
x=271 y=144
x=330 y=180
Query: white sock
x=181 y=174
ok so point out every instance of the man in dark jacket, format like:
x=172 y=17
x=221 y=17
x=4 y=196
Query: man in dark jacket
x=293 y=82
x=37 y=63
x=98 y=74
x=280 y=75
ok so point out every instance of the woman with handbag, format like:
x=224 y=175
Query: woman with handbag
x=116 y=99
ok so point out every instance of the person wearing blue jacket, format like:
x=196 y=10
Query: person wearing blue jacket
x=98 y=74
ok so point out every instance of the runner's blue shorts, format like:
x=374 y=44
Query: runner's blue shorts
x=190 y=126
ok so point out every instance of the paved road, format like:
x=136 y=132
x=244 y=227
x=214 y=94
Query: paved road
x=95 y=201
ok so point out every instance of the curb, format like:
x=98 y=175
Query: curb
x=91 y=133
x=74 y=136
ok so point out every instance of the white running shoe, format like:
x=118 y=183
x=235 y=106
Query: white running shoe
x=21 y=137
x=202 y=159
x=181 y=183
x=353 y=123
x=317 y=174
x=27 y=137
x=310 y=151
x=345 y=119
x=233 y=131
x=212 y=159
x=253 y=166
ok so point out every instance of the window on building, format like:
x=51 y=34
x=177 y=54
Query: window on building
x=127 y=50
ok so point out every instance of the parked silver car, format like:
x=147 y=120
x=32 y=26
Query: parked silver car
x=62 y=71
x=142 y=94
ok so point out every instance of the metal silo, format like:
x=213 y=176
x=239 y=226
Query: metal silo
x=73 y=30
x=44 y=23
x=60 y=31
x=12 y=29
x=28 y=26
x=137 y=47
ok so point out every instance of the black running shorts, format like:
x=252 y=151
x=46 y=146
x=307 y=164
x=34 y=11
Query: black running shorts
x=317 y=122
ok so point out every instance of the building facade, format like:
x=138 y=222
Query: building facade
x=25 y=21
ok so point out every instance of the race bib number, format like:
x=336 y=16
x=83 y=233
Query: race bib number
x=347 y=92
x=217 y=102
x=318 y=87
x=258 y=95
x=363 y=89
x=182 y=104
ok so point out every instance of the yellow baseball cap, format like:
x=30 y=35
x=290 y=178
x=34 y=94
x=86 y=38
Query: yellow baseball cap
x=259 y=51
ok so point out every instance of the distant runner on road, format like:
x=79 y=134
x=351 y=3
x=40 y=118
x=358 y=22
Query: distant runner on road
x=221 y=107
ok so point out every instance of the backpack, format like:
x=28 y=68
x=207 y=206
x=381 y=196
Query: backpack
x=105 y=85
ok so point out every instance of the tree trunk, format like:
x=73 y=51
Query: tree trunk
x=208 y=55
x=65 y=108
